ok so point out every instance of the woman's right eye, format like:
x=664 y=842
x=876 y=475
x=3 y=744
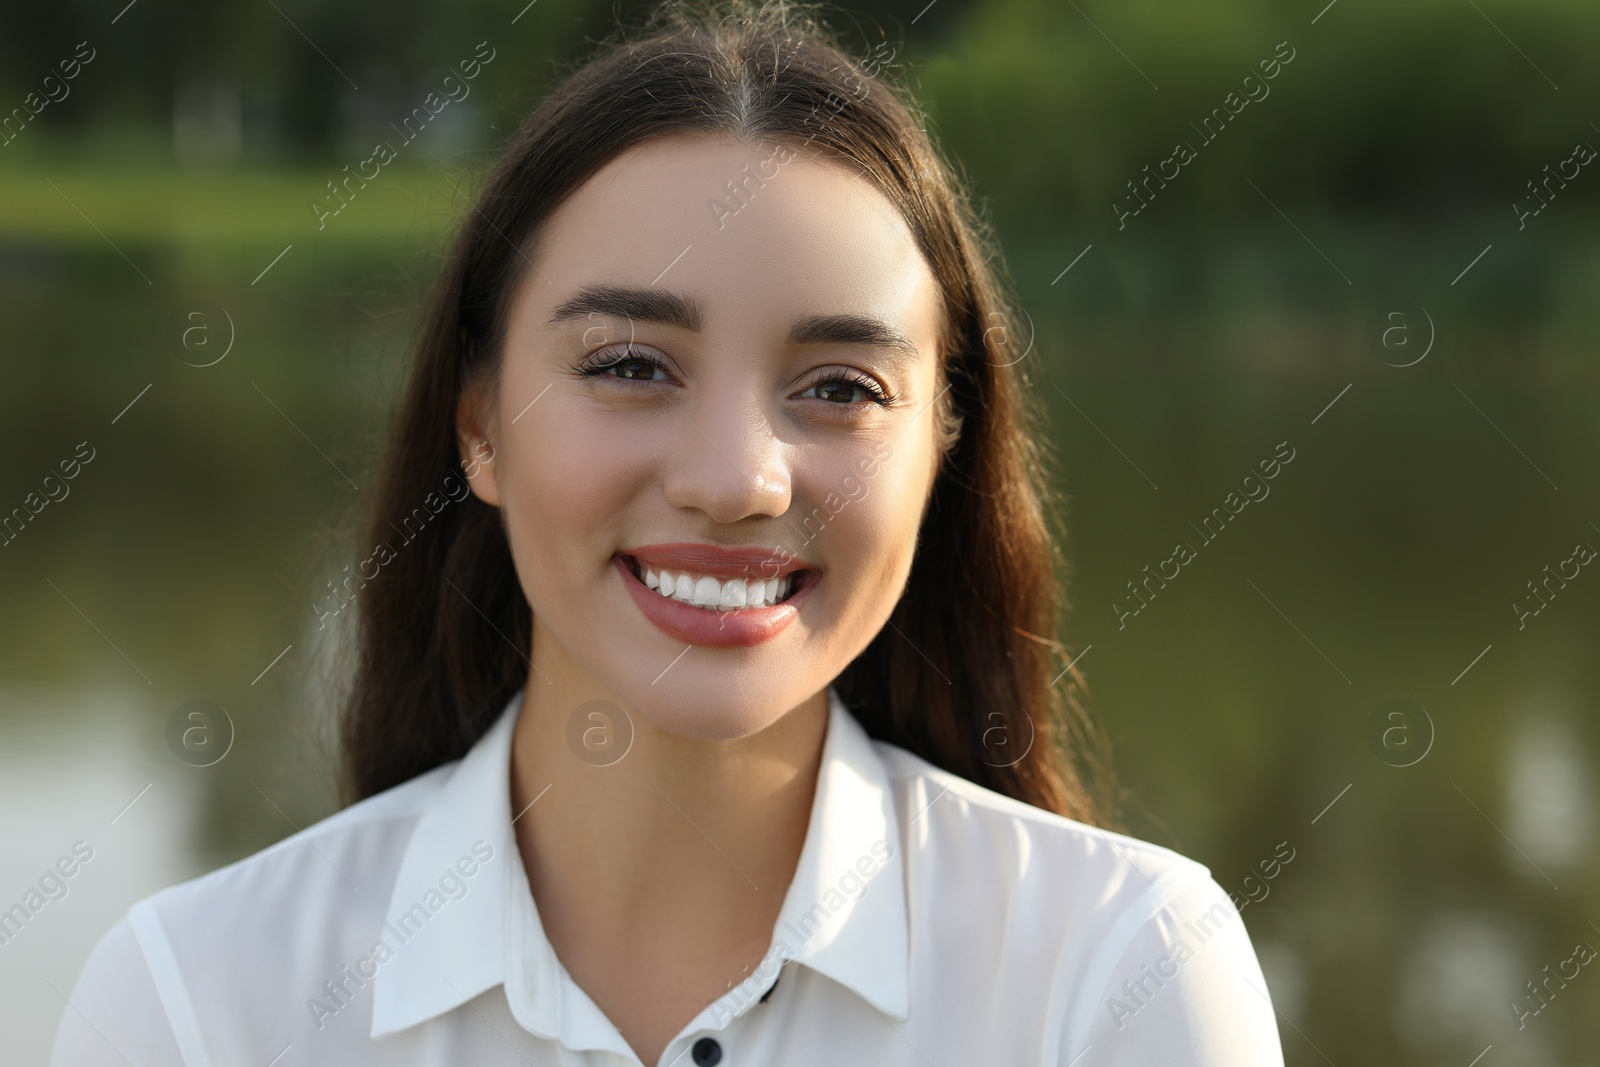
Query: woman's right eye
x=631 y=363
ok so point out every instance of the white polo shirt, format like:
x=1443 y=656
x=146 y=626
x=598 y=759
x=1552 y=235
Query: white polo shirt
x=930 y=921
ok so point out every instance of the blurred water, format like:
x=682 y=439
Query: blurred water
x=1550 y=796
x=78 y=767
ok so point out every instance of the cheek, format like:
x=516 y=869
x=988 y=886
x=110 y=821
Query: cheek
x=872 y=537
x=569 y=483
x=894 y=508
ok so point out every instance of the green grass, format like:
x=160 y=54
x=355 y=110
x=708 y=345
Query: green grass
x=252 y=210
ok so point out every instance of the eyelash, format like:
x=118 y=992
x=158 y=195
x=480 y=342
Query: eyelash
x=598 y=364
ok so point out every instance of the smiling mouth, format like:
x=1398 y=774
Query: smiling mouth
x=718 y=594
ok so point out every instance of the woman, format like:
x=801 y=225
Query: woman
x=718 y=722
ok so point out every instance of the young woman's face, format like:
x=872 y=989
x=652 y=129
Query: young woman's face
x=725 y=396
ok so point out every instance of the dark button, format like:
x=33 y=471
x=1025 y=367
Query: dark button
x=707 y=1053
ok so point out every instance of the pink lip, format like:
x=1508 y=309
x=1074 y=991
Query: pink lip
x=740 y=628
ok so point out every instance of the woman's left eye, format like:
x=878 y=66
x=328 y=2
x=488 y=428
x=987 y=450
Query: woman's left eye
x=833 y=387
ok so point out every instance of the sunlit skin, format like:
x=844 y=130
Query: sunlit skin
x=659 y=878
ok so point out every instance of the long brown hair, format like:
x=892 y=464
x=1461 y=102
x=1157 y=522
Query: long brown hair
x=967 y=671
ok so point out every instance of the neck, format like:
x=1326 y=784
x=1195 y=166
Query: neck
x=682 y=844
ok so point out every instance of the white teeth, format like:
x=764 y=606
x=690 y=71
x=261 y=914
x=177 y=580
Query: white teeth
x=706 y=592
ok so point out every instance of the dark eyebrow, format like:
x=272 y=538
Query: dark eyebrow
x=632 y=303
x=849 y=330
x=639 y=304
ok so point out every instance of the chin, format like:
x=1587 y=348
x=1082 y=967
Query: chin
x=700 y=717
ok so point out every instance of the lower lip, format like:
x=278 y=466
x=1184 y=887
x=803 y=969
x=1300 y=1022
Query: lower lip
x=739 y=628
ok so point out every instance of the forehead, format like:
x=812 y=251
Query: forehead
x=804 y=235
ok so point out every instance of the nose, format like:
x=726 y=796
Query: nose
x=726 y=461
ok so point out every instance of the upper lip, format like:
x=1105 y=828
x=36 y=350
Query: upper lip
x=718 y=561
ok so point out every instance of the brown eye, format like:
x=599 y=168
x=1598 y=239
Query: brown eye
x=838 y=389
x=635 y=369
x=834 y=391
x=630 y=362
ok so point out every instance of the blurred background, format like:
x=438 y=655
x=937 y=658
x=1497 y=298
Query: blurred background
x=1381 y=261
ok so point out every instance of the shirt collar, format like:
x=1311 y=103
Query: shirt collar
x=844 y=915
x=444 y=956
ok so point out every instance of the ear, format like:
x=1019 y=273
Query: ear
x=475 y=443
